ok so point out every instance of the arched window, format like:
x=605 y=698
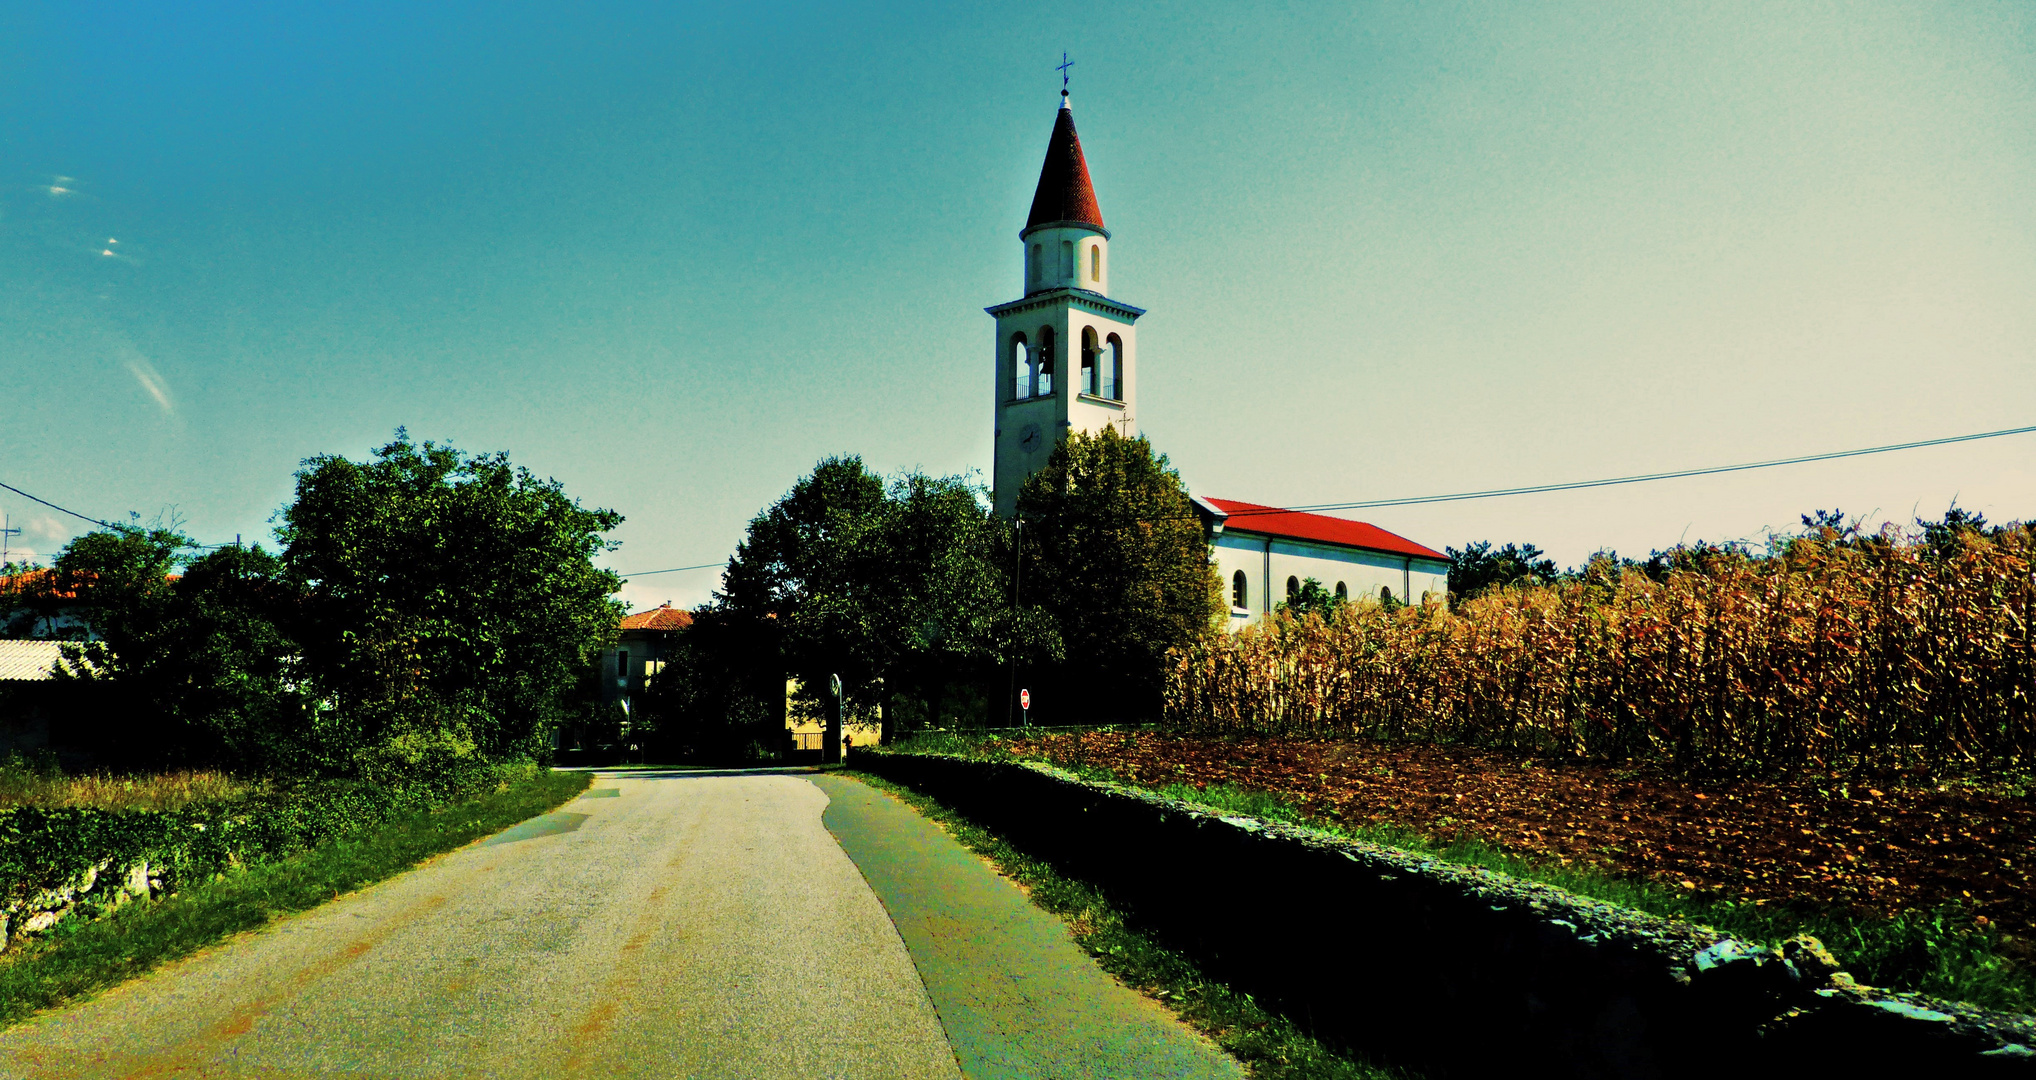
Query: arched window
x=1089 y=373
x=1032 y=268
x=1067 y=261
x=1113 y=370
x=1095 y=262
x=1240 y=591
x=1021 y=368
x=1293 y=588
x=1043 y=385
x=1342 y=593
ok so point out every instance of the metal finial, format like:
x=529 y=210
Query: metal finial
x=1065 y=64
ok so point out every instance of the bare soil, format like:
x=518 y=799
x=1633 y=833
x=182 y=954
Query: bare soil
x=1878 y=846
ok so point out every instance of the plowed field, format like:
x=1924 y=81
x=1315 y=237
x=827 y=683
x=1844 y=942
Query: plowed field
x=1875 y=847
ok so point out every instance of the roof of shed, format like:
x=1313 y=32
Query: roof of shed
x=1320 y=528
x=28 y=661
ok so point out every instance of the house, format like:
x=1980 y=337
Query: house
x=1066 y=360
x=1264 y=553
x=32 y=605
x=640 y=652
x=806 y=725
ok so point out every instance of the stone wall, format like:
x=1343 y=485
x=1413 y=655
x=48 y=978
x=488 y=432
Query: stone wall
x=1458 y=970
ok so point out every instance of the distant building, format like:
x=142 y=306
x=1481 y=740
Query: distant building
x=1066 y=361
x=640 y=652
x=806 y=724
x=1264 y=554
x=31 y=606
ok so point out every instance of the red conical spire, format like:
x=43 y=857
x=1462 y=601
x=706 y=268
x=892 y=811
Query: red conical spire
x=1064 y=192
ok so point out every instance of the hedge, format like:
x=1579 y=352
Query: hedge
x=59 y=861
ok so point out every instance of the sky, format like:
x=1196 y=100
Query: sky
x=672 y=255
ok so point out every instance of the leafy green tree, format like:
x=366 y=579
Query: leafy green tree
x=1943 y=535
x=451 y=603
x=115 y=593
x=238 y=690
x=810 y=577
x=1112 y=549
x=950 y=622
x=1480 y=566
x=1313 y=599
x=719 y=693
x=887 y=584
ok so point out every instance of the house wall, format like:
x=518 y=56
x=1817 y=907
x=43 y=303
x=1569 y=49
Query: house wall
x=1268 y=561
x=646 y=649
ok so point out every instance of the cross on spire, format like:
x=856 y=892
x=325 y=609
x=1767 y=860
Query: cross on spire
x=1065 y=64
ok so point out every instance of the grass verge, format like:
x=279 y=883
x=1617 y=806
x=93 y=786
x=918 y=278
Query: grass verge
x=1270 y=1045
x=81 y=958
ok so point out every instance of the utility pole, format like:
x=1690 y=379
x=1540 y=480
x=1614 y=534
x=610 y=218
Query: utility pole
x=1017 y=580
x=6 y=531
x=830 y=738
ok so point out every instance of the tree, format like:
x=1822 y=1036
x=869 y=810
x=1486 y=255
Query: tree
x=811 y=576
x=238 y=691
x=1112 y=549
x=886 y=584
x=947 y=588
x=1314 y=599
x=1942 y=536
x=1479 y=567
x=115 y=587
x=451 y=603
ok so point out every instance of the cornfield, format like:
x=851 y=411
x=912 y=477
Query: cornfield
x=1827 y=652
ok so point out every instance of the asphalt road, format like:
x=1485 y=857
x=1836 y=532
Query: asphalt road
x=663 y=925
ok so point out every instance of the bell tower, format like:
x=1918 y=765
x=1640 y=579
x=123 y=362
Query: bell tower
x=1065 y=352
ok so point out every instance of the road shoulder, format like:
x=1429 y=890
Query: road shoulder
x=1017 y=996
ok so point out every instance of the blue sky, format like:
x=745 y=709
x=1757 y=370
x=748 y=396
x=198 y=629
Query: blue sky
x=672 y=255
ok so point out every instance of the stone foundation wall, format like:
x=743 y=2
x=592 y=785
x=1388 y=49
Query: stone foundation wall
x=1458 y=970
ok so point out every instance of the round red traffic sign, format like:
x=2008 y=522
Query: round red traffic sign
x=1025 y=699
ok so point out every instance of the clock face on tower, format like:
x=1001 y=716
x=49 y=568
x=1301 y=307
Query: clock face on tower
x=1028 y=438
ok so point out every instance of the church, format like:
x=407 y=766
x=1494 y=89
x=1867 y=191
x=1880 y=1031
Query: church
x=1067 y=361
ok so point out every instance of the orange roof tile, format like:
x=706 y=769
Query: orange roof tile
x=662 y=617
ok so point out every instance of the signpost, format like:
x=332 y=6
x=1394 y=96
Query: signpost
x=830 y=739
x=1025 y=703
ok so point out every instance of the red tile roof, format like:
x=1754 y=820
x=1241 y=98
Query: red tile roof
x=661 y=617
x=1321 y=528
x=1064 y=193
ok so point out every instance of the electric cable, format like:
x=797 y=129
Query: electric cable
x=61 y=509
x=673 y=570
x=1419 y=500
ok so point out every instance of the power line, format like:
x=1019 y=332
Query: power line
x=673 y=570
x=60 y=509
x=1536 y=489
x=96 y=521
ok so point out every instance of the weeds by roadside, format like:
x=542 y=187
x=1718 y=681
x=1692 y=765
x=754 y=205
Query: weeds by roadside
x=1270 y=1045
x=28 y=782
x=81 y=958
